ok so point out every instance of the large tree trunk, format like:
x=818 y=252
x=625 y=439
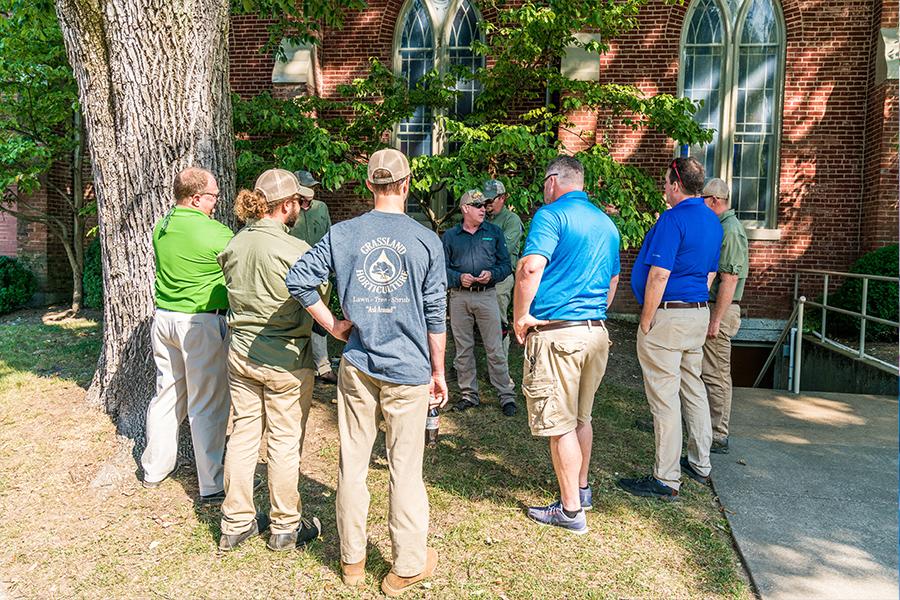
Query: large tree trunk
x=153 y=84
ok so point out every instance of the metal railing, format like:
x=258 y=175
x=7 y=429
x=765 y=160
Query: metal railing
x=798 y=314
x=860 y=352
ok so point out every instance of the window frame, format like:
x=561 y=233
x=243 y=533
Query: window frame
x=724 y=154
x=441 y=32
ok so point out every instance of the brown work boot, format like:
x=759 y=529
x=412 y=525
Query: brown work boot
x=393 y=585
x=353 y=574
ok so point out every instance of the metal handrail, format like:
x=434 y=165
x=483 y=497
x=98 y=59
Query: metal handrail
x=862 y=315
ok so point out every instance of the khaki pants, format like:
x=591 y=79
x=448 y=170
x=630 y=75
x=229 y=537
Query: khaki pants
x=466 y=310
x=504 y=297
x=717 y=371
x=563 y=369
x=671 y=355
x=189 y=351
x=404 y=408
x=277 y=402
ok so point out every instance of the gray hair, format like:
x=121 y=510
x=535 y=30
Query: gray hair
x=568 y=170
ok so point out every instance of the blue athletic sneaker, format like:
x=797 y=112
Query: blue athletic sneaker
x=554 y=515
x=586 y=497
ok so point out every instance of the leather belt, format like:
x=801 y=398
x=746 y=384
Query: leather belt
x=565 y=324
x=474 y=288
x=684 y=305
x=215 y=311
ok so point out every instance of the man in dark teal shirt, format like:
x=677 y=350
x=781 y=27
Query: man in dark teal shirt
x=477 y=259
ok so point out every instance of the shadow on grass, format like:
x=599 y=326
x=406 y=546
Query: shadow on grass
x=67 y=350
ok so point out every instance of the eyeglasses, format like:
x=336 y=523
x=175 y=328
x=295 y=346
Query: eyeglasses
x=548 y=177
x=478 y=204
x=674 y=167
x=216 y=195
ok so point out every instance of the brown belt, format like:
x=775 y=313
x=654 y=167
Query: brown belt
x=684 y=305
x=564 y=324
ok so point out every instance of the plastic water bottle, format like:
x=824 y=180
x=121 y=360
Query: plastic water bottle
x=431 y=427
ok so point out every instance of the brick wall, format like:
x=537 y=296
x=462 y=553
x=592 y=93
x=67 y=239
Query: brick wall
x=838 y=160
x=878 y=222
x=8 y=245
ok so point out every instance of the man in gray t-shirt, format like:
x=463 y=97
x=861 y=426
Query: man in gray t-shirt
x=391 y=281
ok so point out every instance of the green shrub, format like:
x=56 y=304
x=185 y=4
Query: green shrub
x=92 y=278
x=881 y=297
x=17 y=284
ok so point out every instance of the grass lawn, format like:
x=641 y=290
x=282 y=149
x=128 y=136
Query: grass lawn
x=66 y=536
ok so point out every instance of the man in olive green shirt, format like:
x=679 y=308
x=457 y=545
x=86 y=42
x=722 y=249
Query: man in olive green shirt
x=511 y=224
x=725 y=313
x=188 y=336
x=313 y=223
x=270 y=366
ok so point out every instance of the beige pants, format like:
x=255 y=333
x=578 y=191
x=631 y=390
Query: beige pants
x=404 y=408
x=189 y=351
x=277 y=402
x=504 y=297
x=466 y=310
x=671 y=355
x=717 y=371
x=562 y=370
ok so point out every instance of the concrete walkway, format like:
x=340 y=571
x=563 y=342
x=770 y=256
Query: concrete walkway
x=810 y=491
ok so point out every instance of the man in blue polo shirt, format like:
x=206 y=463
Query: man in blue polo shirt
x=565 y=281
x=671 y=279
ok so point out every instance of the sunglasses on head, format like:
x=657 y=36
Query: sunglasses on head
x=674 y=167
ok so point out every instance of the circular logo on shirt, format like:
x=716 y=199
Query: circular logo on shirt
x=382 y=270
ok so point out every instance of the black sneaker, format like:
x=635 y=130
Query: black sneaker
x=648 y=487
x=219 y=497
x=150 y=485
x=691 y=472
x=307 y=531
x=509 y=409
x=719 y=446
x=465 y=404
x=227 y=543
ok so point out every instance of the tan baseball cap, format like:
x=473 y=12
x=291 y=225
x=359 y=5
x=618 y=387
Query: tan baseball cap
x=472 y=197
x=716 y=188
x=391 y=160
x=277 y=184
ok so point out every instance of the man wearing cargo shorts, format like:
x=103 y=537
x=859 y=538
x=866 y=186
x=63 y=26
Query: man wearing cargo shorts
x=725 y=313
x=391 y=281
x=671 y=279
x=564 y=283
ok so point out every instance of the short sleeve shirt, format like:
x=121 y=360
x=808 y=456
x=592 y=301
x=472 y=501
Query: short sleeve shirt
x=735 y=254
x=581 y=245
x=686 y=241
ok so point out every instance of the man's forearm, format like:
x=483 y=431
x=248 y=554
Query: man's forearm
x=727 y=285
x=611 y=295
x=437 y=343
x=653 y=293
x=528 y=279
x=323 y=315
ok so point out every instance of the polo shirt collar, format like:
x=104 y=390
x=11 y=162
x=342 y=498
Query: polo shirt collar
x=573 y=195
x=693 y=201
x=726 y=215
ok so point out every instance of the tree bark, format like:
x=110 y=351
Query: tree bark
x=154 y=90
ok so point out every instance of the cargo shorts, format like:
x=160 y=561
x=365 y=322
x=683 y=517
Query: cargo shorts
x=561 y=373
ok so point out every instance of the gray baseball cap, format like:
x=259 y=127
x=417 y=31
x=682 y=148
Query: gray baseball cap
x=306 y=178
x=717 y=188
x=493 y=188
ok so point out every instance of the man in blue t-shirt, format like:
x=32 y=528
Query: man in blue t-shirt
x=671 y=279
x=565 y=281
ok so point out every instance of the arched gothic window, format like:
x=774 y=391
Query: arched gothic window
x=733 y=60
x=435 y=33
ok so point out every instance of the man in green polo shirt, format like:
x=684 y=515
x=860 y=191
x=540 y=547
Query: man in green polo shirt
x=312 y=224
x=725 y=313
x=270 y=366
x=511 y=224
x=188 y=336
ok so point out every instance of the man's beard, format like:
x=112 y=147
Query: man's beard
x=292 y=219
